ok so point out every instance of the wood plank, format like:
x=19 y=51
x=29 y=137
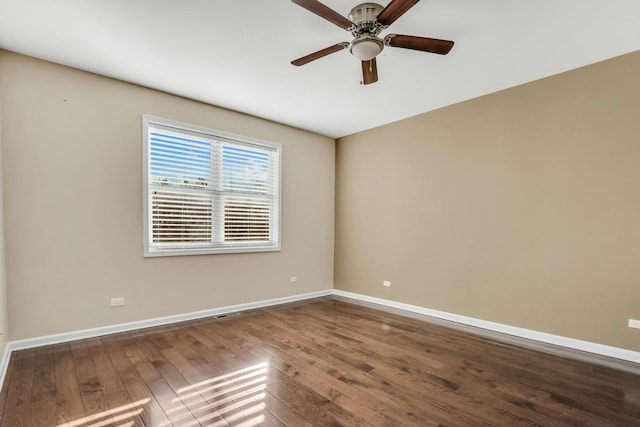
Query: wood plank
x=96 y=406
x=18 y=402
x=5 y=386
x=68 y=398
x=115 y=393
x=161 y=378
x=44 y=408
x=143 y=403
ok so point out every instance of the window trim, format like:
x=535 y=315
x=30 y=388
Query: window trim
x=231 y=248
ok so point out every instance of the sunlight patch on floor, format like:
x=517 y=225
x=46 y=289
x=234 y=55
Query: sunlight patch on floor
x=236 y=398
x=236 y=373
x=110 y=416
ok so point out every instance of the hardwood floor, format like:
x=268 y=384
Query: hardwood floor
x=319 y=362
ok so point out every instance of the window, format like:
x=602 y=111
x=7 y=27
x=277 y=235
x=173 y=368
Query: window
x=208 y=192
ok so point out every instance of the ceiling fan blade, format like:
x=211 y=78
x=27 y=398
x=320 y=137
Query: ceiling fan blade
x=425 y=44
x=395 y=10
x=369 y=71
x=325 y=12
x=319 y=54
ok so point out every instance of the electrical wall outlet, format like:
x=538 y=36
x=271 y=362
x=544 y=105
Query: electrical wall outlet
x=386 y=283
x=117 y=302
x=293 y=279
x=633 y=323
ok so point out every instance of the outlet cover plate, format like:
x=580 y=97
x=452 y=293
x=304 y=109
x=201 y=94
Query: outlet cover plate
x=117 y=302
x=633 y=323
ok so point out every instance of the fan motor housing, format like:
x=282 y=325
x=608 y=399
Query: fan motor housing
x=365 y=12
x=366 y=44
x=363 y=17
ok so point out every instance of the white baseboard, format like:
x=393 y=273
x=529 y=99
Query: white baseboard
x=528 y=334
x=499 y=328
x=4 y=364
x=142 y=324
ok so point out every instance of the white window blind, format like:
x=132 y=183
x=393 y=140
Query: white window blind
x=208 y=192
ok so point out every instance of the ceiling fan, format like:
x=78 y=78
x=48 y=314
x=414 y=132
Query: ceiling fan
x=365 y=23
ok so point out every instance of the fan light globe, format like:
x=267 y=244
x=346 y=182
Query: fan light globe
x=366 y=48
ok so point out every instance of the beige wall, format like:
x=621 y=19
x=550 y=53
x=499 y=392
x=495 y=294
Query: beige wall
x=73 y=206
x=521 y=207
x=3 y=274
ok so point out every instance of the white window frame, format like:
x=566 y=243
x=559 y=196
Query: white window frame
x=152 y=250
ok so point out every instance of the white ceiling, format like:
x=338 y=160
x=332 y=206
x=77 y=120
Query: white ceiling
x=236 y=53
